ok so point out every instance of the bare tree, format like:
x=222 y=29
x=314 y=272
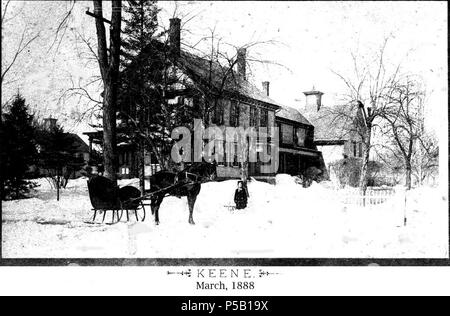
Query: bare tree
x=109 y=62
x=404 y=121
x=425 y=160
x=27 y=37
x=85 y=92
x=368 y=88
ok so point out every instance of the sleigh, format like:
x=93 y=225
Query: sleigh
x=106 y=198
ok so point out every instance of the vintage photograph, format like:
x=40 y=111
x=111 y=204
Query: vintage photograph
x=224 y=130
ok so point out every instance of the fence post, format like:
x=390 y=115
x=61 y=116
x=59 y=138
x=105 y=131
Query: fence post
x=405 y=217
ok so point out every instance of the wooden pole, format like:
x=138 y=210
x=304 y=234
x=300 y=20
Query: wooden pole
x=98 y=17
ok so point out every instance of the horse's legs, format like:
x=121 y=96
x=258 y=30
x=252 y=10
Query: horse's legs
x=192 y=198
x=156 y=204
x=143 y=210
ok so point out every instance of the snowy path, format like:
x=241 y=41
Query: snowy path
x=283 y=221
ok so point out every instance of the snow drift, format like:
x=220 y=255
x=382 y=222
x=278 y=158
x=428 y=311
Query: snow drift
x=282 y=221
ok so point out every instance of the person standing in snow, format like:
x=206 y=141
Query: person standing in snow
x=241 y=196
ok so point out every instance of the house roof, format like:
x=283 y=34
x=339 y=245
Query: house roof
x=221 y=76
x=334 y=124
x=313 y=92
x=201 y=67
x=292 y=114
x=207 y=72
x=80 y=145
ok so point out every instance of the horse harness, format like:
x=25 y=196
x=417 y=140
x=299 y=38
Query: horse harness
x=176 y=183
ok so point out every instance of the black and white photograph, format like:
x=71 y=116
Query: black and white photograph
x=176 y=133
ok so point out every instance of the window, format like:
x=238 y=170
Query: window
x=300 y=136
x=123 y=158
x=224 y=156
x=287 y=132
x=355 y=149
x=360 y=150
x=234 y=114
x=269 y=146
x=264 y=120
x=219 y=152
x=236 y=155
x=253 y=116
x=218 y=114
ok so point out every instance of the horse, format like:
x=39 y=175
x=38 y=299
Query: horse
x=185 y=183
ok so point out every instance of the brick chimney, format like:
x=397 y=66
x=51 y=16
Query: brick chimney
x=241 y=61
x=175 y=37
x=266 y=87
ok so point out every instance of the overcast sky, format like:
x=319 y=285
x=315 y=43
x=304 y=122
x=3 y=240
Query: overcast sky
x=313 y=40
x=317 y=38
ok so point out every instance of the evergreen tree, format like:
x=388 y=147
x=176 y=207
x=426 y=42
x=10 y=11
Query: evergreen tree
x=141 y=24
x=58 y=156
x=150 y=110
x=140 y=29
x=18 y=149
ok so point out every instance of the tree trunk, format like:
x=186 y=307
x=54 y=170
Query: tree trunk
x=2 y=182
x=363 y=182
x=109 y=133
x=244 y=162
x=109 y=68
x=408 y=176
x=57 y=189
x=141 y=167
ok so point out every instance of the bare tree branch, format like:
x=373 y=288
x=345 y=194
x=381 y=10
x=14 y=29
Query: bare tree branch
x=19 y=50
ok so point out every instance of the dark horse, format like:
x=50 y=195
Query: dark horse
x=185 y=183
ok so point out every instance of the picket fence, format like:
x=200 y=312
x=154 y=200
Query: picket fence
x=373 y=197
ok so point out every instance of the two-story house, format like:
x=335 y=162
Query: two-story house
x=235 y=102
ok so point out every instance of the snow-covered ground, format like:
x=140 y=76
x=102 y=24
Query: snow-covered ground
x=281 y=221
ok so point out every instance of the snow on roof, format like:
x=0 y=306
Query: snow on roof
x=79 y=143
x=206 y=70
x=332 y=124
x=202 y=67
x=292 y=114
x=212 y=73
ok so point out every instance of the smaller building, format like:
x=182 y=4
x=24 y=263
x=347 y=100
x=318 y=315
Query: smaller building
x=80 y=149
x=337 y=129
x=297 y=149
